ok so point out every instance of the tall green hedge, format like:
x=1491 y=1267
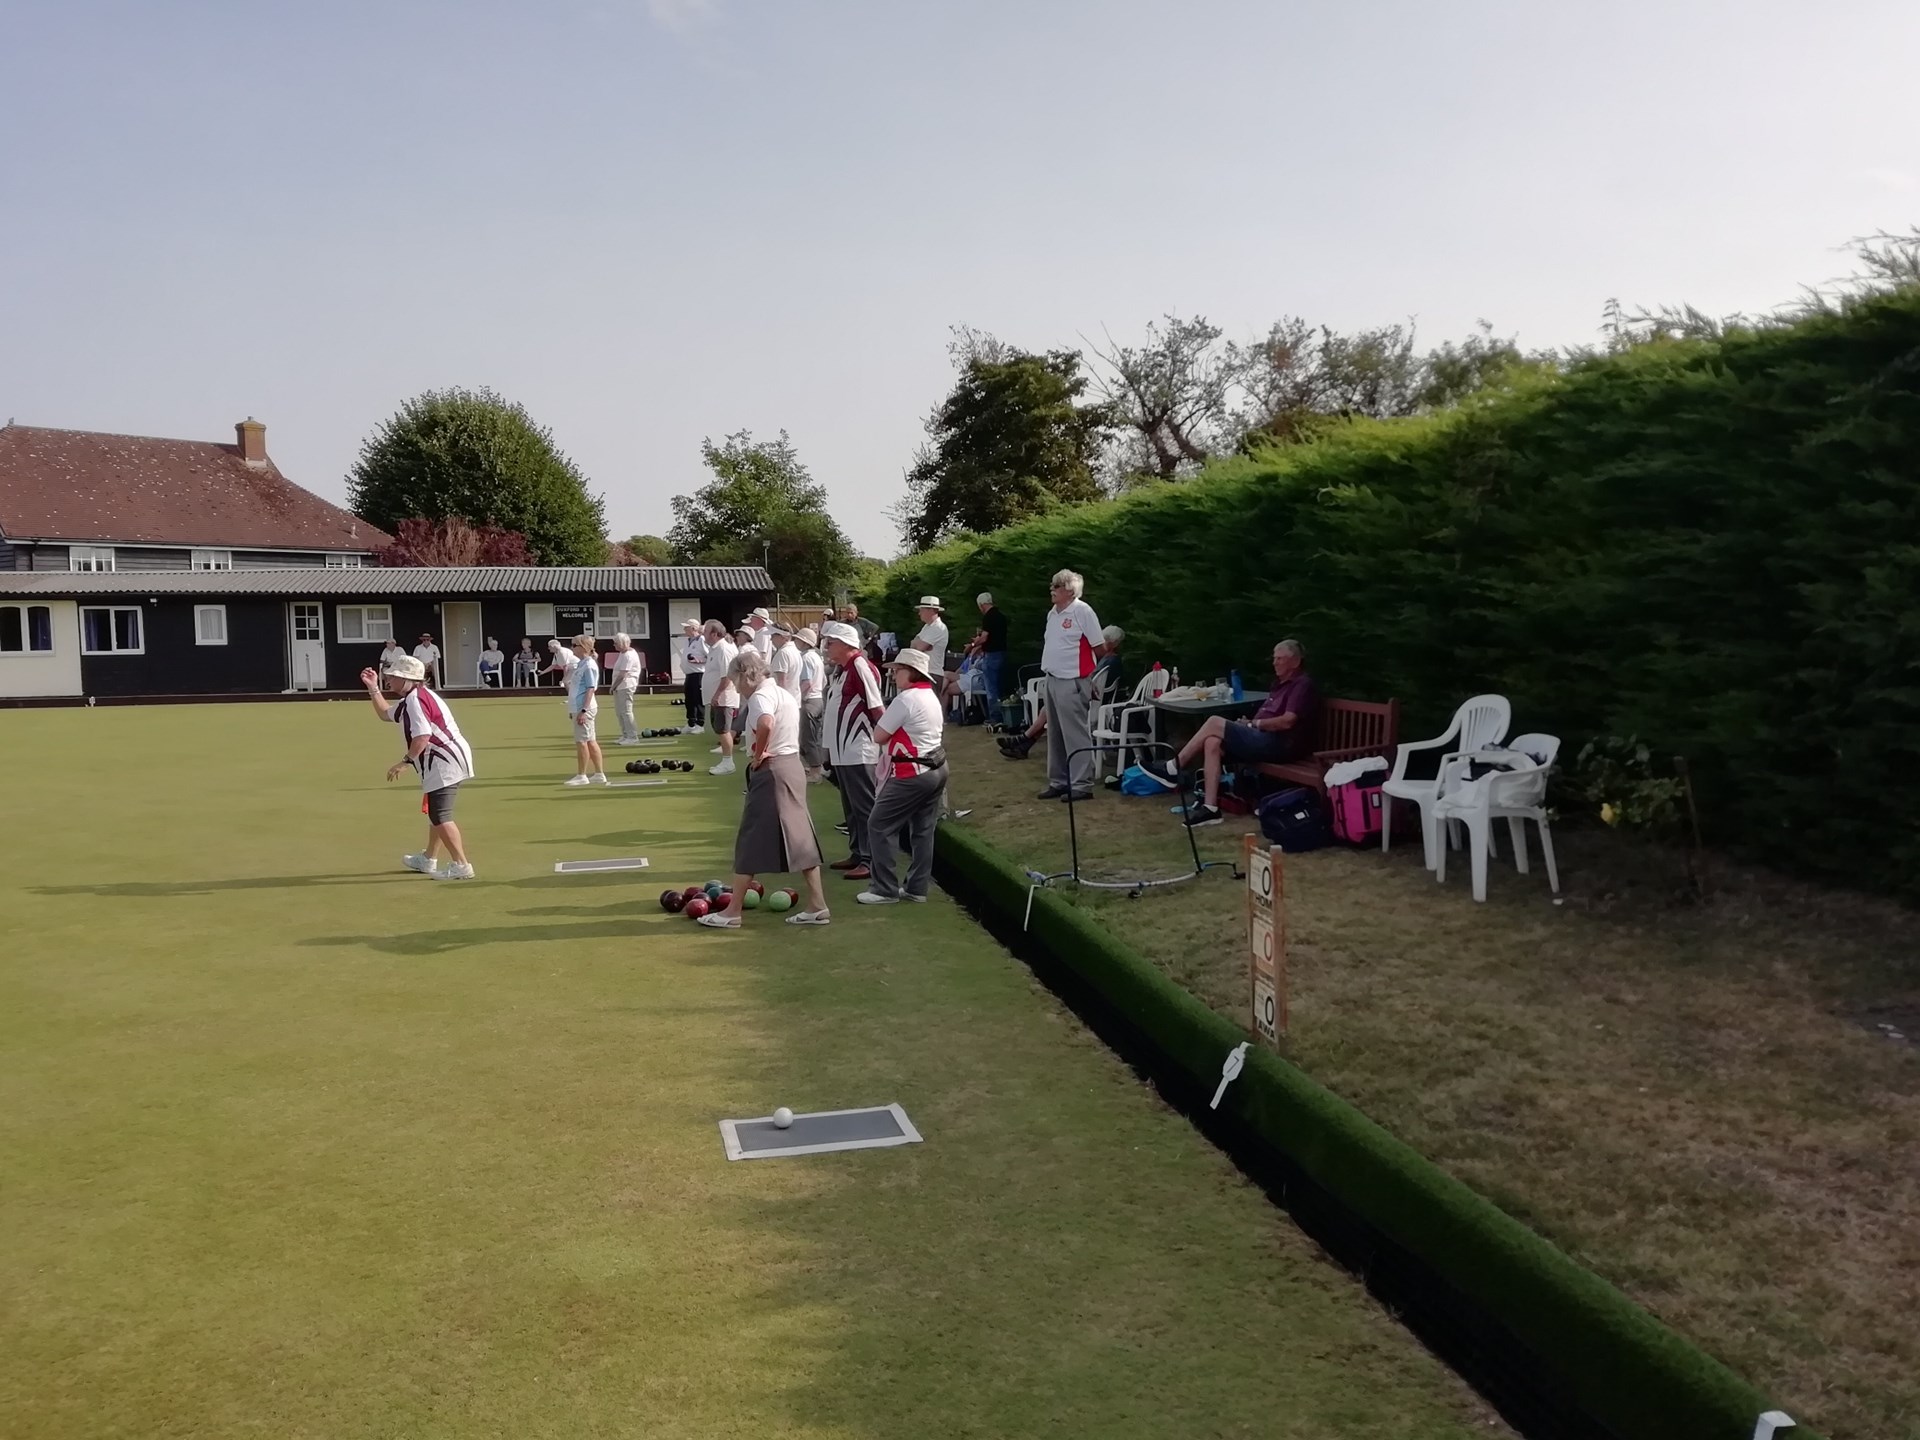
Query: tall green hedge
x=1714 y=546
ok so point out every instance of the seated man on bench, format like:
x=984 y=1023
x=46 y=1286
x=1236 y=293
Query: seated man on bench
x=1281 y=730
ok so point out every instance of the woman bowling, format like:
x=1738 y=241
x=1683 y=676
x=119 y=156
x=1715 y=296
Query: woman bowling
x=913 y=783
x=776 y=832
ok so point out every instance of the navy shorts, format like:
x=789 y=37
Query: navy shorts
x=1248 y=746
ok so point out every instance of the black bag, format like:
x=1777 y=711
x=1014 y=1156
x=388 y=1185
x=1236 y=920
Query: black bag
x=1295 y=820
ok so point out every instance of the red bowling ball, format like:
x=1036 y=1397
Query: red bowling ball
x=696 y=908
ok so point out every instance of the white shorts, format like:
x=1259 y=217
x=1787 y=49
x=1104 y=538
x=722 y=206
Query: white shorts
x=583 y=727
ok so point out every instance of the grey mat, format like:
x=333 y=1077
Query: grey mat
x=581 y=867
x=868 y=1128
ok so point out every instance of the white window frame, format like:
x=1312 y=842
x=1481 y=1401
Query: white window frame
x=199 y=629
x=26 y=650
x=90 y=559
x=346 y=562
x=140 y=622
x=366 y=619
x=612 y=617
x=541 y=613
x=212 y=560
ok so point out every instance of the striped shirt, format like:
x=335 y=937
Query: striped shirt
x=448 y=759
x=854 y=701
x=915 y=722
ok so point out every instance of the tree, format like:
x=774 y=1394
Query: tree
x=454 y=542
x=1172 y=397
x=1302 y=374
x=470 y=455
x=649 y=550
x=762 y=505
x=1010 y=442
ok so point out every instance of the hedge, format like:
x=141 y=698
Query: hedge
x=1620 y=1366
x=1712 y=545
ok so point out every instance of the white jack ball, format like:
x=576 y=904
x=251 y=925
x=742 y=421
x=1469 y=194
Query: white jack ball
x=782 y=1118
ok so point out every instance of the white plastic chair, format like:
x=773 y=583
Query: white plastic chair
x=1034 y=699
x=1481 y=722
x=1516 y=796
x=1111 y=724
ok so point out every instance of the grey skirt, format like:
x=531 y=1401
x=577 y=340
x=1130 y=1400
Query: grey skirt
x=776 y=831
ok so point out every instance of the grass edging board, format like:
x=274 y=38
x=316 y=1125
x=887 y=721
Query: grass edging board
x=1626 y=1374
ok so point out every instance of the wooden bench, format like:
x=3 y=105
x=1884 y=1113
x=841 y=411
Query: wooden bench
x=1348 y=730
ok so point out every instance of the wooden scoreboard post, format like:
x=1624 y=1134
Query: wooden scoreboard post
x=1266 y=939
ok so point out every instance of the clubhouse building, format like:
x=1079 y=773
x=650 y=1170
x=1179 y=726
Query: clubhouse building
x=140 y=568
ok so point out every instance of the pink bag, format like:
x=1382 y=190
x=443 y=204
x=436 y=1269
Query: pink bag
x=1356 y=809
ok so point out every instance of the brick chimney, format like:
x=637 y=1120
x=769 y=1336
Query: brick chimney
x=252 y=436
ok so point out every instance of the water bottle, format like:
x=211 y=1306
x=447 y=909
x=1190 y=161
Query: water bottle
x=1239 y=690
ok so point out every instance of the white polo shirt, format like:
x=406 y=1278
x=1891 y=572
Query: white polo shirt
x=715 y=689
x=763 y=641
x=1066 y=653
x=448 y=759
x=626 y=669
x=933 y=635
x=813 y=675
x=770 y=699
x=785 y=665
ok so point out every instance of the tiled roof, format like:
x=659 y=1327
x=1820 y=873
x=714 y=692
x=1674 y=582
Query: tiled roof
x=93 y=488
x=441 y=582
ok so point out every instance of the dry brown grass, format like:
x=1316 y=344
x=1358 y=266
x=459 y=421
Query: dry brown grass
x=1697 y=1100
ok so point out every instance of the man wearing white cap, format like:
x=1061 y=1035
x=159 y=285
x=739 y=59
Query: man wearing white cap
x=760 y=630
x=932 y=639
x=693 y=665
x=813 y=704
x=913 y=784
x=854 y=701
x=784 y=663
x=435 y=749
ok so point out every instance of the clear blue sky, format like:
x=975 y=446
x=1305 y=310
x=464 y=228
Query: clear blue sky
x=651 y=222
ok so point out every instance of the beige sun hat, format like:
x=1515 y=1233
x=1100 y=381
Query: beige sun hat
x=929 y=602
x=404 y=667
x=914 y=660
x=806 y=636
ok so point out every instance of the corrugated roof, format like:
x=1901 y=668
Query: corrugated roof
x=138 y=489
x=437 y=581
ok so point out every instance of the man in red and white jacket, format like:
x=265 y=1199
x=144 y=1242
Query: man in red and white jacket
x=912 y=787
x=1069 y=651
x=854 y=701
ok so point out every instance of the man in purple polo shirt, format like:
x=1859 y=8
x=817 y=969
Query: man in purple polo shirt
x=1281 y=730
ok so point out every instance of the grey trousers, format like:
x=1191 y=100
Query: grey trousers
x=911 y=806
x=1069 y=727
x=813 y=718
x=855 y=782
x=623 y=707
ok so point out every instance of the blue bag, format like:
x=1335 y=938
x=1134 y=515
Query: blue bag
x=1135 y=781
x=1295 y=820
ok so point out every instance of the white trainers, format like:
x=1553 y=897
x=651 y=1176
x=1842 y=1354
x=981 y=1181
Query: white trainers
x=869 y=897
x=579 y=780
x=623 y=740
x=455 y=872
x=599 y=777
x=725 y=767
x=696 y=730
x=420 y=863
x=716 y=750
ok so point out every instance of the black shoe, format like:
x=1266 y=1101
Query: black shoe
x=1199 y=816
x=1052 y=792
x=1078 y=797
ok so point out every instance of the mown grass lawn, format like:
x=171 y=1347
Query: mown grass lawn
x=1705 y=1103
x=299 y=1144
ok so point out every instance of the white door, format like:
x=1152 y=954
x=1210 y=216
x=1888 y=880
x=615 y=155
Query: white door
x=461 y=644
x=677 y=612
x=307 y=645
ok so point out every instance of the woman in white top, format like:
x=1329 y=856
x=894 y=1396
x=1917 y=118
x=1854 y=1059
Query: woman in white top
x=913 y=784
x=626 y=681
x=392 y=653
x=493 y=662
x=776 y=830
x=813 y=705
x=562 y=663
x=784 y=662
x=720 y=697
x=693 y=665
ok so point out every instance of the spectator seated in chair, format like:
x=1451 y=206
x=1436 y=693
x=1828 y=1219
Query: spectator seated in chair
x=1281 y=730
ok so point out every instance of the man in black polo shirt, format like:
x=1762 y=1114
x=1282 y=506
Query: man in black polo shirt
x=993 y=647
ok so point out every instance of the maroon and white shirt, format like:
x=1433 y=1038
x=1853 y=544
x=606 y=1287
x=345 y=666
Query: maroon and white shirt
x=916 y=723
x=854 y=699
x=448 y=759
